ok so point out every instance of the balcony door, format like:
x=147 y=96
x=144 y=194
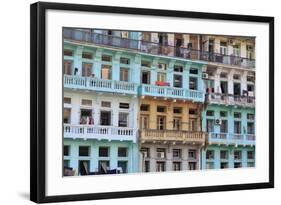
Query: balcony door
x=66 y=115
x=163 y=39
x=161 y=122
x=87 y=69
x=105 y=118
x=237 y=89
x=86 y=117
x=67 y=67
x=192 y=124
x=210 y=125
x=144 y=124
x=224 y=87
x=145 y=77
x=106 y=72
x=237 y=127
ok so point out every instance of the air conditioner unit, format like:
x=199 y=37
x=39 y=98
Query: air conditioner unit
x=162 y=66
x=161 y=155
x=205 y=76
x=218 y=121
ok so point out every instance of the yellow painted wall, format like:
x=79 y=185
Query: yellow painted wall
x=169 y=104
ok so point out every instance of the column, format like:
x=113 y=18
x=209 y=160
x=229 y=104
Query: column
x=217 y=45
x=115 y=112
x=153 y=115
x=170 y=72
x=78 y=59
x=229 y=49
x=244 y=152
x=186 y=40
x=230 y=81
x=204 y=123
x=243 y=49
x=169 y=157
x=244 y=81
x=185 y=75
x=201 y=86
x=135 y=70
x=153 y=73
x=185 y=116
x=230 y=122
x=94 y=164
x=231 y=157
x=217 y=80
x=203 y=159
x=74 y=156
x=198 y=165
x=135 y=158
x=113 y=155
x=116 y=66
x=184 y=155
x=97 y=63
x=96 y=111
x=169 y=116
x=153 y=158
x=133 y=116
x=75 y=110
x=244 y=122
x=217 y=157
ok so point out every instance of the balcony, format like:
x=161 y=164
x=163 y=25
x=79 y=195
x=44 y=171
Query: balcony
x=232 y=139
x=157 y=49
x=171 y=92
x=100 y=132
x=149 y=135
x=228 y=99
x=95 y=84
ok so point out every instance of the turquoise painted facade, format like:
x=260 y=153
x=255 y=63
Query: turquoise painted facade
x=136 y=67
x=232 y=157
x=230 y=129
x=130 y=158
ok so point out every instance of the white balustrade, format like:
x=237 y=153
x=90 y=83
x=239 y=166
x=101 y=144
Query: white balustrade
x=99 y=132
x=80 y=82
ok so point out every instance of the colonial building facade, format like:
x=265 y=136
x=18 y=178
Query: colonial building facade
x=148 y=102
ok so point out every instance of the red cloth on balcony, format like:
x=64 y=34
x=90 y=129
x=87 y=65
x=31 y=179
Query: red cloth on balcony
x=159 y=83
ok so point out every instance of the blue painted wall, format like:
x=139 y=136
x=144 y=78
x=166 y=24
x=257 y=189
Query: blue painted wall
x=216 y=161
x=240 y=145
x=73 y=158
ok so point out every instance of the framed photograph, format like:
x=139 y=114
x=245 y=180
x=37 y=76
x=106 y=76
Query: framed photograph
x=129 y=102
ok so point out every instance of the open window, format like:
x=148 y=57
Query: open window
x=86 y=117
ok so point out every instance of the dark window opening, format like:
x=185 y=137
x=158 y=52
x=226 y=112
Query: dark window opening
x=84 y=151
x=105 y=118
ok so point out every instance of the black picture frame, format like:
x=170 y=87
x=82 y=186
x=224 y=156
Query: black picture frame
x=38 y=100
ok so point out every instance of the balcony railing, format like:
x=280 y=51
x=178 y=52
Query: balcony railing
x=232 y=139
x=79 y=82
x=99 y=132
x=172 y=135
x=156 y=48
x=228 y=99
x=171 y=92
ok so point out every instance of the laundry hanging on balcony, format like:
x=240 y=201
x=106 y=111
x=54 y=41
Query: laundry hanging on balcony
x=160 y=83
